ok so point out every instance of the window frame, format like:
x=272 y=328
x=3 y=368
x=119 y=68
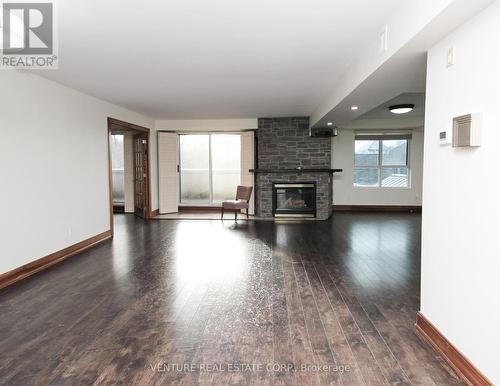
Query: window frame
x=379 y=167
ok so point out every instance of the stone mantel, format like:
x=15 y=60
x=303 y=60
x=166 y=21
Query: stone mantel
x=297 y=170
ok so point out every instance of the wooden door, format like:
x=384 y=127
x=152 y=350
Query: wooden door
x=141 y=175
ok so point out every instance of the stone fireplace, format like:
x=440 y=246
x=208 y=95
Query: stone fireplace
x=287 y=155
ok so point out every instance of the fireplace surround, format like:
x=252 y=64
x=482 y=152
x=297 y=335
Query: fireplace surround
x=286 y=154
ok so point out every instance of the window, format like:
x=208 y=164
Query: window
x=195 y=169
x=226 y=169
x=209 y=168
x=381 y=161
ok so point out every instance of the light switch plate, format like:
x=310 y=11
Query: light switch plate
x=383 y=39
x=450 y=57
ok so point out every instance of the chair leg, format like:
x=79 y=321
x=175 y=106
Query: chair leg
x=247 y=213
x=235 y=215
x=222 y=214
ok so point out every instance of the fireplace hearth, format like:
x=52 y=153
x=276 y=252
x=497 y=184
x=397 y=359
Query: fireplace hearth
x=294 y=199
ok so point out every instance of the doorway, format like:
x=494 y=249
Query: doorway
x=129 y=169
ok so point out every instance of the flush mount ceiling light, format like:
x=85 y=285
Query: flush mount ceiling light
x=354 y=108
x=401 y=109
x=329 y=123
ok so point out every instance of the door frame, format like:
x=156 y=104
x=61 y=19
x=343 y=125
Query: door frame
x=135 y=128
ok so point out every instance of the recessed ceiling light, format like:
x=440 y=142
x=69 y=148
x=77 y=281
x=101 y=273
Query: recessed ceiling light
x=354 y=108
x=329 y=123
x=401 y=109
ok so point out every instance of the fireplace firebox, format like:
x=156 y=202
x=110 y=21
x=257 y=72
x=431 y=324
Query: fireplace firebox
x=294 y=199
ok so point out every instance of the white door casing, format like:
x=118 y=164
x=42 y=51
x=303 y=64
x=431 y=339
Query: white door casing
x=247 y=162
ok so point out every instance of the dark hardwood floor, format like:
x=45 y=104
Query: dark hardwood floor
x=249 y=303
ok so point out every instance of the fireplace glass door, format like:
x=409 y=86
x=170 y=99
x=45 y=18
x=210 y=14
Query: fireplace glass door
x=294 y=200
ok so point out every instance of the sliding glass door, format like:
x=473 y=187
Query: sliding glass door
x=195 y=169
x=226 y=170
x=209 y=168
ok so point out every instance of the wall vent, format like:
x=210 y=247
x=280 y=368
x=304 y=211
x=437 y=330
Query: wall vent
x=467 y=130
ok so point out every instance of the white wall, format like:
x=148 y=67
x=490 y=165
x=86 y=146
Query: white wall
x=344 y=193
x=206 y=124
x=461 y=216
x=53 y=166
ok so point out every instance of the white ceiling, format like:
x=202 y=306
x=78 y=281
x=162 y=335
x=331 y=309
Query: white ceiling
x=404 y=72
x=213 y=59
x=380 y=118
x=382 y=111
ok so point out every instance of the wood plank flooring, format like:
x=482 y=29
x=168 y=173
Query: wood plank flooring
x=214 y=303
